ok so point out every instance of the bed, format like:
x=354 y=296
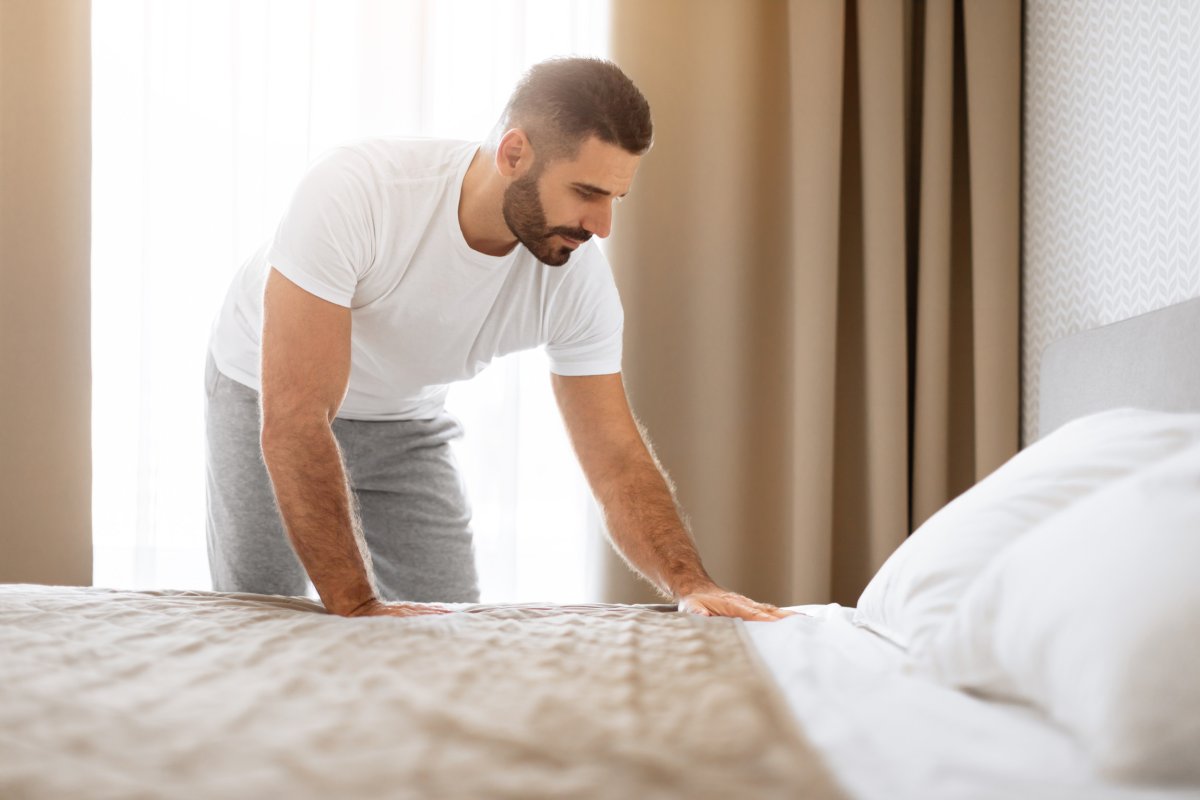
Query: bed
x=107 y=693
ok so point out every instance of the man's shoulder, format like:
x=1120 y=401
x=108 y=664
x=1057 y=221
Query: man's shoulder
x=400 y=159
x=586 y=275
x=589 y=260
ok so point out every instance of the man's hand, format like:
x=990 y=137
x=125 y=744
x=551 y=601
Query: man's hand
x=377 y=608
x=716 y=602
x=638 y=501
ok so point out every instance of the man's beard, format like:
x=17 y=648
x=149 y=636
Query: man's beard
x=526 y=218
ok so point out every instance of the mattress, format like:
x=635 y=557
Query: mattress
x=887 y=733
x=193 y=694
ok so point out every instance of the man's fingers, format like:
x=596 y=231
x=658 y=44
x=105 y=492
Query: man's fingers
x=691 y=606
x=419 y=611
x=731 y=604
x=774 y=612
x=408 y=610
x=749 y=613
x=767 y=614
x=747 y=609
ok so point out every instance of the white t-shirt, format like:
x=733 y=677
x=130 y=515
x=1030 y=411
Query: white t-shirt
x=373 y=226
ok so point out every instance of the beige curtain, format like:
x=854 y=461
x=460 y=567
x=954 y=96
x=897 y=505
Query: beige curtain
x=45 y=241
x=819 y=265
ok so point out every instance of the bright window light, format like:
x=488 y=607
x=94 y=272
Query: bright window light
x=205 y=115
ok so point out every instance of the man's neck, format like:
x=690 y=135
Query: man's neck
x=480 y=214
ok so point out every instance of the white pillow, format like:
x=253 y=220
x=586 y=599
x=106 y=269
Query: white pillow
x=917 y=589
x=1094 y=617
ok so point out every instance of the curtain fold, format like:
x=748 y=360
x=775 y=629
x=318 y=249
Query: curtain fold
x=45 y=217
x=820 y=273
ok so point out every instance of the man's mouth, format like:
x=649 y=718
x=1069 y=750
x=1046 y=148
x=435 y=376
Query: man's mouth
x=572 y=236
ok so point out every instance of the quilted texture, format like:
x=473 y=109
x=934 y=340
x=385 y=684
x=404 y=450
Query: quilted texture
x=1111 y=168
x=189 y=694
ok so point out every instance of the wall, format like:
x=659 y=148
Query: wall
x=1111 y=168
x=45 y=239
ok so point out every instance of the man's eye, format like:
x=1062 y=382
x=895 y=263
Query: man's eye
x=585 y=194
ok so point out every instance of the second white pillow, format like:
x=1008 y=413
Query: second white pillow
x=918 y=588
x=1094 y=617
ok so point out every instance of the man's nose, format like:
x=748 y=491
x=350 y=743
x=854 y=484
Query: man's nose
x=599 y=220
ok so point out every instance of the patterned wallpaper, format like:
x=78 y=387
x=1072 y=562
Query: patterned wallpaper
x=1111 y=170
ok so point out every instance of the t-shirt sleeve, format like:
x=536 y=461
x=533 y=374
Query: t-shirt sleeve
x=325 y=243
x=586 y=320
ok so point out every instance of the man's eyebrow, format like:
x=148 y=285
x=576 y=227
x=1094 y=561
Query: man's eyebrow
x=595 y=189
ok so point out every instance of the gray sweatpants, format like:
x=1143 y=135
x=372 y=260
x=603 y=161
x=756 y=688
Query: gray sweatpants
x=409 y=494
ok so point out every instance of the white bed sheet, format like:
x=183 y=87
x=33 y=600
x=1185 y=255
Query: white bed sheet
x=889 y=734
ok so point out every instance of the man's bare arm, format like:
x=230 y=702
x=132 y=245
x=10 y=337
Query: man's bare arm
x=305 y=373
x=637 y=499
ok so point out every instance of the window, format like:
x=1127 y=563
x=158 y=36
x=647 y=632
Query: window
x=205 y=115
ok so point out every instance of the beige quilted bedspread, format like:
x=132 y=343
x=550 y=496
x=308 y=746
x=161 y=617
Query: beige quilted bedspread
x=200 y=695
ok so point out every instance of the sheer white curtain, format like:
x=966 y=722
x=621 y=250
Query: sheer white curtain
x=205 y=116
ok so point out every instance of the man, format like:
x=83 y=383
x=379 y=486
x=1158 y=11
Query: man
x=400 y=267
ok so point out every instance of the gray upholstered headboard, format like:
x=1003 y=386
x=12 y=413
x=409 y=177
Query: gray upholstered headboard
x=1149 y=361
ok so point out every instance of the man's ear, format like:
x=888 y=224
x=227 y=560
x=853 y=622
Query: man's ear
x=514 y=155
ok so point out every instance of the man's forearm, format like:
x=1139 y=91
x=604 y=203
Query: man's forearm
x=647 y=529
x=314 y=499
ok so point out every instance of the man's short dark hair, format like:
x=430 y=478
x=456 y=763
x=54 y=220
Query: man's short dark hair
x=562 y=102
